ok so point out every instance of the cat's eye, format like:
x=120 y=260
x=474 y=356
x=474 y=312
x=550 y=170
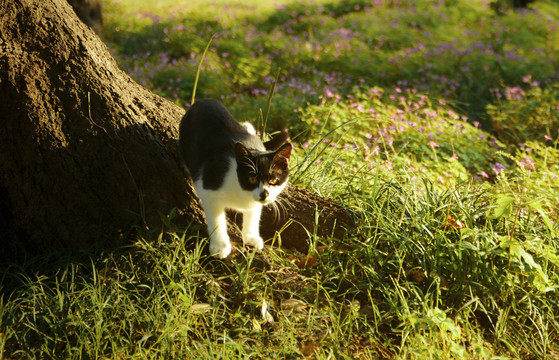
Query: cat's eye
x=273 y=181
x=253 y=180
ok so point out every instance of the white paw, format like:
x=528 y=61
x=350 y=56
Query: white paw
x=220 y=248
x=254 y=241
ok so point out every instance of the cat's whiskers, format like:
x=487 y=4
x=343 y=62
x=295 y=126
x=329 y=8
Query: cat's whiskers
x=251 y=165
x=280 y=207
x=275 y=211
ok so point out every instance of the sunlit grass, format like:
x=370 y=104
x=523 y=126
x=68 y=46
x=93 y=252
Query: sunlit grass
x=454 y=253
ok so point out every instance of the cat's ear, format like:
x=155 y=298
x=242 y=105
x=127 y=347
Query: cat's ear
x=282 y=155
x=241 y=152
x=277 y=140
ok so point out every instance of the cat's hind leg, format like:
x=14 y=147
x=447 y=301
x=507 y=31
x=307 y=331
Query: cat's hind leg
x=251 y=227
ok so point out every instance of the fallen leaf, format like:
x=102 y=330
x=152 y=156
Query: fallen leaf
x=256 y=325
x=200 y=308
x=295 y=305
x=416 y=275
x=452 y=222
x=307 y=262
x=308 y=347
x=268 y=318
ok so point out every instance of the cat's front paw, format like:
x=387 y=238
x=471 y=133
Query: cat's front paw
x=254 y=241
x=220 y=248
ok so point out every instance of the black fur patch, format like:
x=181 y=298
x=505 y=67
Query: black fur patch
x=208 y=138
x=269 y=168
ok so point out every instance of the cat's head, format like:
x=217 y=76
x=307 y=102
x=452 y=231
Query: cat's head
x=264 y=174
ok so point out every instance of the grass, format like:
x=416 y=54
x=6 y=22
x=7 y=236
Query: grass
x=443 y=142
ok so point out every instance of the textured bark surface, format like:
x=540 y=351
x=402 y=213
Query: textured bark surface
x=85 y=152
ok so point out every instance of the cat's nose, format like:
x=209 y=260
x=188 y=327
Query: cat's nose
x=263 y=195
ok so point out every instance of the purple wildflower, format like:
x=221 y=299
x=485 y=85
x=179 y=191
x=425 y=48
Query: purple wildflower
x=514 y=93
x=498 y=168
x=528 y=164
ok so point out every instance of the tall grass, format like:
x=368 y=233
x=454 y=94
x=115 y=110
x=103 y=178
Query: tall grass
x=454 y=253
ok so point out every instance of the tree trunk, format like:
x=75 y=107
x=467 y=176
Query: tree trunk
x=85 y=152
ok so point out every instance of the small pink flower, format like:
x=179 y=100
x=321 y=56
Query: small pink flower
x=389 y=165
x=484 y=174
x=547 y=137
x=369 y=135
x=434 y=144
x=528 y=164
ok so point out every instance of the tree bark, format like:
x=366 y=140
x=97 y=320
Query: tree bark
x=85 y=152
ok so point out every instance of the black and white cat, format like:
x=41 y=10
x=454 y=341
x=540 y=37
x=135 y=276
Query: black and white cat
x=231 y=169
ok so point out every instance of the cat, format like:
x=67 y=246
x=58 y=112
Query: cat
x=231 y=169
